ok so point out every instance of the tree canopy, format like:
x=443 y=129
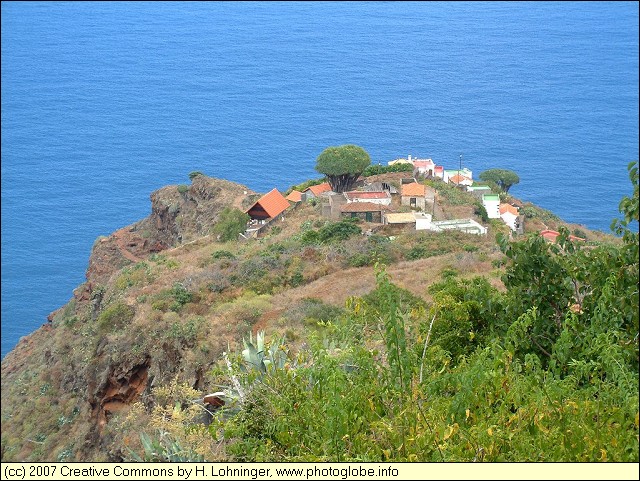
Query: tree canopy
x=503 y=178
x=342 y=165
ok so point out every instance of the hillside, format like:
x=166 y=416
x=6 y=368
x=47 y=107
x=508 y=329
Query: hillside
x=142 y=341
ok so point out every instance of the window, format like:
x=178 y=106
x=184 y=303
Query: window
x=412 y=201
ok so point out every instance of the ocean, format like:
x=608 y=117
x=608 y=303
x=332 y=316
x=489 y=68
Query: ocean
x=105 y=102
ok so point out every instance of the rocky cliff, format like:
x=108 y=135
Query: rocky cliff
x=105 y=349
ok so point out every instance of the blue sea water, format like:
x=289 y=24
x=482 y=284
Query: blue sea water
x=105 y=102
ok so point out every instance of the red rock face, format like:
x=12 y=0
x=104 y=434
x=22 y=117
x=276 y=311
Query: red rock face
x=119 y=390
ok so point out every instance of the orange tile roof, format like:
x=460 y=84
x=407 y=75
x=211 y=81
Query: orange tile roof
x=459 y=178
x=423 y=163
x=294 y=196
x=414 y=189
x=549 y=234
x=319 y=189
x=273 y=203
x=552 y=235
x=504 y=208
x=363 y=207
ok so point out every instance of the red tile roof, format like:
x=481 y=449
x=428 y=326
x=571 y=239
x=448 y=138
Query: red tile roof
x=363 y=207
x=272 y=203
x=459 y=178
x=552 y=235
x=423 y=163
x=356 y=194
x=504 y=208
x=294 y=196
x=414 y=189
x=439 y=168
x=319 y=189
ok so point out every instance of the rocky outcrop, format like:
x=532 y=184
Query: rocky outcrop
x=179 y=214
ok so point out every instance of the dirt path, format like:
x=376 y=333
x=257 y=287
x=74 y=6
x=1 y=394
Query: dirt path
x=118 y=237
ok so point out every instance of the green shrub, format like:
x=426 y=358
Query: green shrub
x=194 y=174
x=116 y=316
x=231 y=223
x=222 y=254
x=385 y=169
x=182 y=188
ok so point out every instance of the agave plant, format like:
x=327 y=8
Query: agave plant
x=263 y=358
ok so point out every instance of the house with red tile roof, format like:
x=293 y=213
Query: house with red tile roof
x=509 y=215
x=268 y=206
x=295 y=196
x=438 y=172
x=413 y=195
x=317 y=190
x=552 y=236
x=383 y=198
x=424 y=167
x=367 y=211
x=460 y=179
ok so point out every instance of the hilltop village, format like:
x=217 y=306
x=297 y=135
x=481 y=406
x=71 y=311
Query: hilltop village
x=393 y=202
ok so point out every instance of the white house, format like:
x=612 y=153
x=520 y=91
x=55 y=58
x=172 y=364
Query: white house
x=450 y=173
x=509 y=215
x=461 y=180
x=424 y=167
x=423 y=221
x=491 y=203
x=400 y=161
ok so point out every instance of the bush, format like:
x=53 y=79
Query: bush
x=385 y=169
x=231 y=223
x=116 y=316
x=183 y=188
x=222 y=254
x=194 y=174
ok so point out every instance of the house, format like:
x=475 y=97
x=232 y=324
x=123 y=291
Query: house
x=380 y=186
x=438 y=172
x=400 y=161
x=423 y=221
x=479 y=190
x=552 y=235
x=450 y=173
x=400 y=220
x=509 y=215
x=382 y=198
x=460 y=179
x=413 y=195
x=317 y=190
x=491 y=203
x=268 y=206
x=424 y=167
x=296 y=196
x=367 y=211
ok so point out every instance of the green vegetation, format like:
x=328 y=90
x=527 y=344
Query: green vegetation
x=545 y=370
x=342 y=165
x=385 y=169
x=331 y=232
x=194 y=174
x=503 y=178
x=231 y=223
